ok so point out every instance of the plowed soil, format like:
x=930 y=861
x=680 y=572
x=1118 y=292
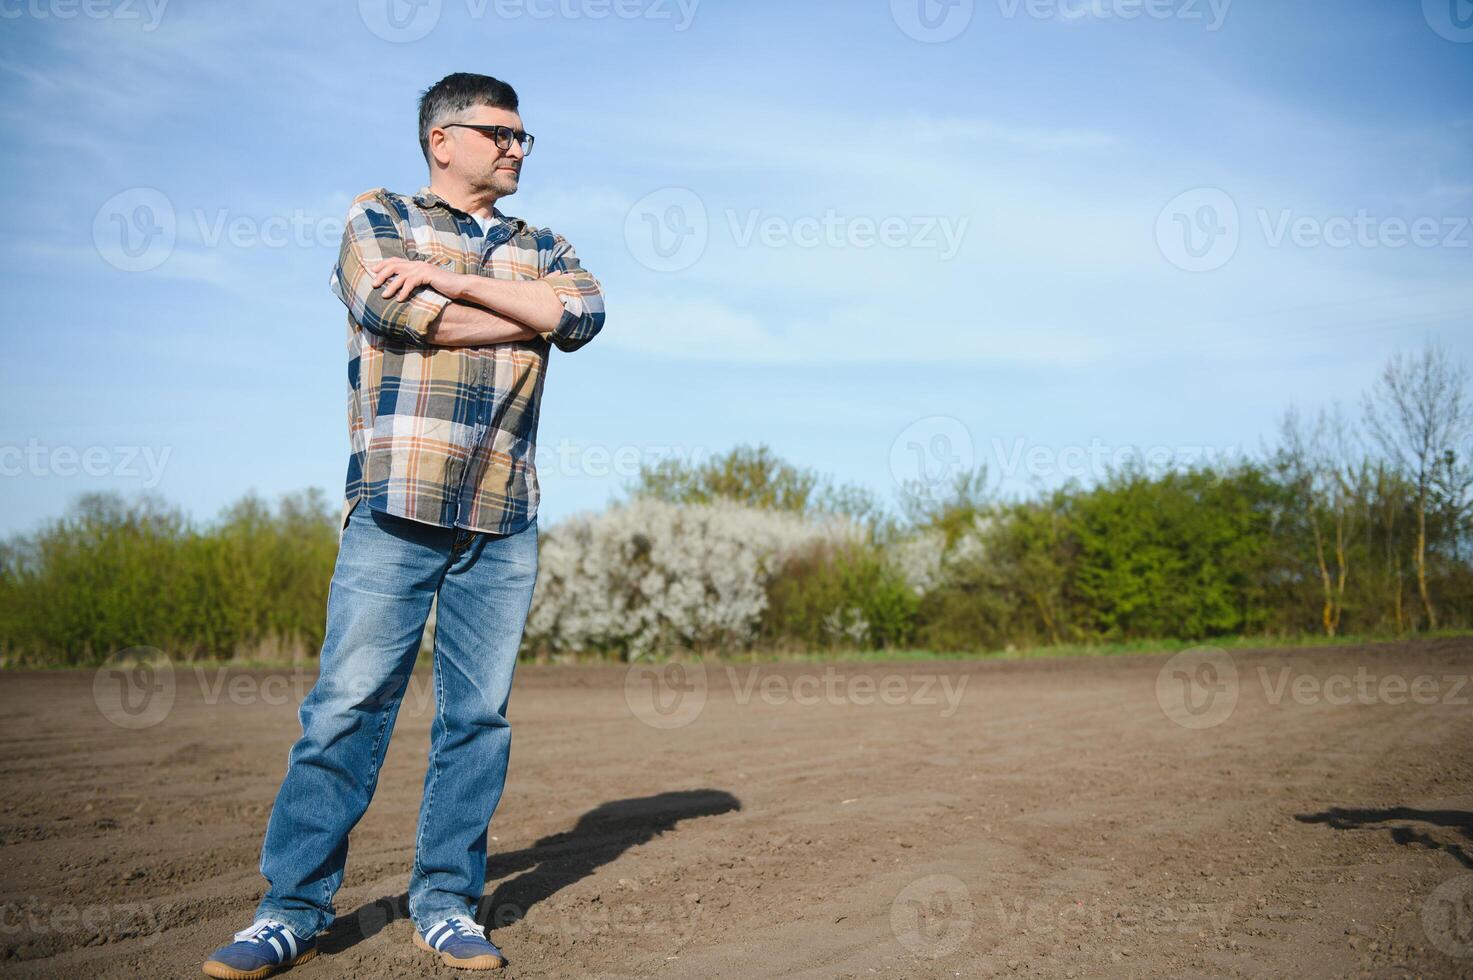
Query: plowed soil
x=1300 y=813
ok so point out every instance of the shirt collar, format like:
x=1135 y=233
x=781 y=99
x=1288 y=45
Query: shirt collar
x=428 y=198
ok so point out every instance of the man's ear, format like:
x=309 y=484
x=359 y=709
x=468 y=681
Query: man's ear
x=440 y=150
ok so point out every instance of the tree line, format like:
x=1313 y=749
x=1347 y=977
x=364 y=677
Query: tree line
x=1354 y=520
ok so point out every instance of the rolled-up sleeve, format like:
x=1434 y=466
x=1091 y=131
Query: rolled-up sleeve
x=372 y=233
x=581 y=295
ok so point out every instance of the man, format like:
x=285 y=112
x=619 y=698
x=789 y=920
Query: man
x=453 y=308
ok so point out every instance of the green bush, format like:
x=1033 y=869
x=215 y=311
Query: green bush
x=112 y=575
x=845 y=597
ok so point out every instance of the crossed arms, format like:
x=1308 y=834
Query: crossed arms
x=420 y=304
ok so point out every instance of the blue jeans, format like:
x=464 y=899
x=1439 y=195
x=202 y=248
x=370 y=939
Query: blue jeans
x=388 y=570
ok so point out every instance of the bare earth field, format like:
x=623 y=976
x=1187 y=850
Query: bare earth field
x=1270 y=813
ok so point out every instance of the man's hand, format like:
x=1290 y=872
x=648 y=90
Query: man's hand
x=400 y=277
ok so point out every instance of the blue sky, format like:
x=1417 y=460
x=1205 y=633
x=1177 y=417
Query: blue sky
x=1031 y=235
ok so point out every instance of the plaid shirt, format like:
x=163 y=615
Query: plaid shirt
x=447 y=435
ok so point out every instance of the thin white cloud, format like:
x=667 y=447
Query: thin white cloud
x=708 y=330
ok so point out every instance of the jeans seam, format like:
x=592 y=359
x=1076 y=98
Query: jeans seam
x=429 y=800
x=373 y=756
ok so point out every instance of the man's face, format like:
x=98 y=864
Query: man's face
x=474 y=156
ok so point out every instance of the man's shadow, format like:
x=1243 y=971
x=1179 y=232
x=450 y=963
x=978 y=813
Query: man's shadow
x=551 y=864
x=1343 y=818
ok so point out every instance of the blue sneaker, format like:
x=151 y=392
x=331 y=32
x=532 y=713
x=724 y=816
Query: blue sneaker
x=461 y=942
x=260 y=949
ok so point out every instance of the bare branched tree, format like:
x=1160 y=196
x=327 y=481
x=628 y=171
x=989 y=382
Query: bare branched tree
x=1318 y=459
x=1418 y=412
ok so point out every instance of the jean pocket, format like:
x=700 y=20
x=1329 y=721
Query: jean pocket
x=348 y=514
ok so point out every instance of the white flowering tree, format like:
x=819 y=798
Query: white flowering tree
x=649 y=576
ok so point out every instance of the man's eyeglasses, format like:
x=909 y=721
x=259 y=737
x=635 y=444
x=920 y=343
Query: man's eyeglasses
x=503 y=135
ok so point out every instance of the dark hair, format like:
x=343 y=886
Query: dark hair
x=456 y=93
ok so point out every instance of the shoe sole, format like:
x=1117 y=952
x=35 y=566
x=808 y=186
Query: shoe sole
x=486 y=961
x=214 y=968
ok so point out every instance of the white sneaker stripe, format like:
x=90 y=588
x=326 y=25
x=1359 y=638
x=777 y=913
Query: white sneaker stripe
x=276 y=944
x=290 y=941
